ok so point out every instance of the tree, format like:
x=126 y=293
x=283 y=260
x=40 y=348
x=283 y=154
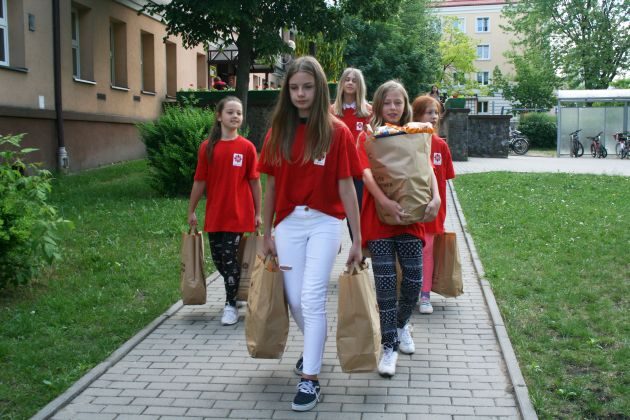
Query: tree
x=534 y=81
x=457 y=54
x=588 y=40
x=254 y=25
x=329 y=53
x=404 y=48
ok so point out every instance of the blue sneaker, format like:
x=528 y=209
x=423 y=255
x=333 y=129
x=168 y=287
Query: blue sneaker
x=307 y=395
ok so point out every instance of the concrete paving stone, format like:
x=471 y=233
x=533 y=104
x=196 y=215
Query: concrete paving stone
x=294 y=415
x=205 y=387
x=147 y=393
x=497 y=411
x=483 y=402
x=505 y=402
x=143 y=371
x=112 y=400
x=451 y=409
x=156 y=378
x=180 y=394
x=259 y=396
x=339 y=416
x=128 y=384
x=85 y=416
x=190 y=402
x=363 y=408
x=437 y=392
x=232 y=381
x=383 y=416
x=189 y=379
x=167 y=385
x=102 y=392
x=235 y=405
x=84 y=408
x=136 y=417
x=124 y=409
x=162 y=400
x=392 y=383
x=250 y=414
x=220 y=413
x=387 y=399
x=410 y=408
x=144 y=352
x=424 y=400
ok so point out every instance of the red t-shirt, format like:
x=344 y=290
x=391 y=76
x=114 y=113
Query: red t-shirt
x=357 y=125
x=443 y=168
x=313 y=184
x=371 y=226
x=229 y=199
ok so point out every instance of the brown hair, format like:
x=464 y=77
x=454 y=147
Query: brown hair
x=422 y=103
x=379 y=98
x=215 y=132
x=285 y=118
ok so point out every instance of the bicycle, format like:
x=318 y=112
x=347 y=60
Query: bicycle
x=575 y=146
x=622 y=148
x=598 y=150
x=518 y=143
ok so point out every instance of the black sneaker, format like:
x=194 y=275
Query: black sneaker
x=307 y=395
x=299 y=366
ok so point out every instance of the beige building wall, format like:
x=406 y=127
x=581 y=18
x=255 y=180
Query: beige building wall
x=99 y=113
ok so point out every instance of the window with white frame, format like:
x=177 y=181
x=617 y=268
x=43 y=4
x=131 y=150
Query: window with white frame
x=76 y=48
x=4 y=34
x=483 y=52
x=483 y=77
x=483 y=24
x=482 y=106
x=459 y=23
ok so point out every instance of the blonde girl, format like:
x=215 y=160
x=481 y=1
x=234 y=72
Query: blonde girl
x=390 y=242
x=309 y=158
x=426 y=109
x=227 y=173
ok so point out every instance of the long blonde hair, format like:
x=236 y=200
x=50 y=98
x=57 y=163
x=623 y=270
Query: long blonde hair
x=285 y=118
x=379 y=98
x=362 y=104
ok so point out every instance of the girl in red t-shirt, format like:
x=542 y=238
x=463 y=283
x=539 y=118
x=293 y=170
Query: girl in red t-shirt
x=227 y=173
x=309 y=158
x=388 y=242
x=426 y=109
x=353 y=109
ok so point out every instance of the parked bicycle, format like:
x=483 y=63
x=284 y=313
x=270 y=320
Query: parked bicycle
x=622 y=148
x=518 y=142
x=575 y=146
x=598 y=150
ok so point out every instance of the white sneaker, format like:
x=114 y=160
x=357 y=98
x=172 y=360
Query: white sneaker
x=425 y=306
x=406 y=345
x=387 y=364
x=230 y=315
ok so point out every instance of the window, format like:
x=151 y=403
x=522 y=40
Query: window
x=171 y=69
x=76 y=49
x=147 y=61
x=459 y=23
x=4 y=34
x=483 y=24
x=459 y=78
x=118 y=53
x=483 y=52
x=482 y=106
x=202 y=71
x=483 y=77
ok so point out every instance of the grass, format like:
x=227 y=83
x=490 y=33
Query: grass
x=120 y=271
x=555 y=249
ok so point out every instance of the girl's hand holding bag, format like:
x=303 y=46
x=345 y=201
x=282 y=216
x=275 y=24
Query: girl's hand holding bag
x=192 y=280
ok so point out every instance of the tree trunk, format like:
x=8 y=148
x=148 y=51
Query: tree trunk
x=244 y=44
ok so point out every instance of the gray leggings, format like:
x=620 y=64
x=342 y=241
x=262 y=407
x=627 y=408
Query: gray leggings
x=395 y=311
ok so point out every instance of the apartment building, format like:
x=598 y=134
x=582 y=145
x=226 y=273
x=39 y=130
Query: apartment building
x=114 y=69
x=481 y=21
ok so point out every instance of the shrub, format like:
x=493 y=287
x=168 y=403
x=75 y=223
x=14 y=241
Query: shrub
x=541 y=129
x=172 y=142
x=28 y=224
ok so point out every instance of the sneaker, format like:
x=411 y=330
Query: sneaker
x=299 y=366
x=425 y=306
x=406 y=345
x=307 y=395
x=230 y=315
x=387 y=364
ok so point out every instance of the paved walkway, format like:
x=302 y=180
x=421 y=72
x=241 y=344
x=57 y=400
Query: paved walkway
x=186 y=365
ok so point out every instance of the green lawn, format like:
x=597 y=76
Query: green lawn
x=556 y=250
x=120 y=271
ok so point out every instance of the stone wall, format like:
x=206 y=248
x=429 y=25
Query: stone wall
x=454 y=129
x=488 y=135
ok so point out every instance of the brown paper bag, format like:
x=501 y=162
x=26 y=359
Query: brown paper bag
x=248 y=248
x=192 y=280
x=400 y=166
x=447 y=268
x=267 y=318
x=358 y=323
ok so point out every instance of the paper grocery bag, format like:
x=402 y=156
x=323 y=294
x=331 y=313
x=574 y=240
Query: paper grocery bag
x=193 y=280
x=447 y=268
x=248 y=249
x=358 y=323
x=400 y=166
x=267 y=317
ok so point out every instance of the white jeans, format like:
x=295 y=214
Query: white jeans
x=307 y=242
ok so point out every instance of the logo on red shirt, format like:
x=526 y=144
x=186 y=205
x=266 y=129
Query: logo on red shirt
x=359 y=126
x=437 y=158
x=237 y=159
x=320 y=162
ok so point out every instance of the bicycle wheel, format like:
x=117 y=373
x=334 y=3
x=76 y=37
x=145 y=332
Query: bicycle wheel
x=593 y=150
x=603 y=152
x=618 y=149
x=520 y=146
x=580 y=150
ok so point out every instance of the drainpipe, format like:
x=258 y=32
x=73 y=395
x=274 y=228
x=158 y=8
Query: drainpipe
x=63 y=162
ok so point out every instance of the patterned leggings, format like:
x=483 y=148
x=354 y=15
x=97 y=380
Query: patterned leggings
x=224 y=250
x=395 y=312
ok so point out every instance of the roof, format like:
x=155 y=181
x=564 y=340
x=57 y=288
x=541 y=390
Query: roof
x=593 y=95
x=459 y=3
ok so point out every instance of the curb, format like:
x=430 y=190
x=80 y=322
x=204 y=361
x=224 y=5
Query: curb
x=514 y=371
x=86 y=380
